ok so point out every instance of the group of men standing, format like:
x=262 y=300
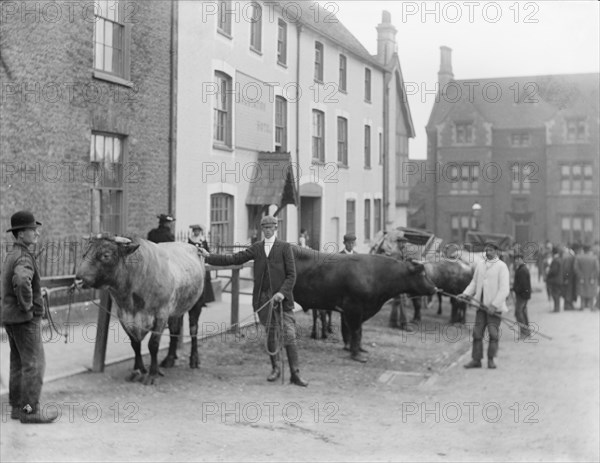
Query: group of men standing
x=572 y=274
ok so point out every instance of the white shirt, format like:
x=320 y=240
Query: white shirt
x=492 y=278
x=269 y=244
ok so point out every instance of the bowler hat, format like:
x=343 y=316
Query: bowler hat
x=196 y=227
x=268 y=220
x=165 y=218
x=349 y=237
x=21 y=220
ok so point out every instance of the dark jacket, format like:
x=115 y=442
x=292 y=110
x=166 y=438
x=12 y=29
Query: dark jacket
x=522 y=284
x=162 y=234
x=21 y=287
x=208 y=294
x=280 y=264
x=555 y=276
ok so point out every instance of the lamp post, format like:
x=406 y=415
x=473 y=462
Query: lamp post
x=476 y=213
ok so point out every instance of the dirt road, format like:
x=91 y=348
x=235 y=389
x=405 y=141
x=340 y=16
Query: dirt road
x=412 y=401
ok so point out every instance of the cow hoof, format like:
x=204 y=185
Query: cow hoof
x=347 y=347
x=194 y=362
x=149 y=380
x=359 y=358
x=135 y=375
x=407 y=328
x=168 y=362
x=313 y=335
x=360 y=349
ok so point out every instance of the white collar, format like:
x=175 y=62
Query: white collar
x=270 y=241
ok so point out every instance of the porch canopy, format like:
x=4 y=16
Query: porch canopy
x=272 y=181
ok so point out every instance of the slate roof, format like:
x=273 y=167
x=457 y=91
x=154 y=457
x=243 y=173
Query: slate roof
x=525 y=102
x=313 y=15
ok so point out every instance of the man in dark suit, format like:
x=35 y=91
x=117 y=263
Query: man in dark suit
x=274 y=278
x=522 y=289
x=163 y=233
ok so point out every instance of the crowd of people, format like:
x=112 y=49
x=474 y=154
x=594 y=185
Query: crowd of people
x=571 y=273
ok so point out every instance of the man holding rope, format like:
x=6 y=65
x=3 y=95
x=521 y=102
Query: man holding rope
x=21 y=315
x=274 y=279
x=490 y=286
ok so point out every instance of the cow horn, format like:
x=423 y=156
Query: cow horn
x=416 y=261
x=122 y=240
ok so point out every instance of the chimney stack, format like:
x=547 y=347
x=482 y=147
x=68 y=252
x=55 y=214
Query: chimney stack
x=445 y=74
x=386 y=38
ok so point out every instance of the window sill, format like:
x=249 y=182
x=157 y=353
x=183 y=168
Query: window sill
x=256 y=50
x=341 y=165
x=101 y=75
x=225 y=34
x=283 y=65
x=318 y=81
x=367 y=101
x=317 y=162
x=367 y=167
x=220 y=147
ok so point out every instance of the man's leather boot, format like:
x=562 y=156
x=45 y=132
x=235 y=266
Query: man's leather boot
x=473 y=364
x=295 y=378
x=31 y=415
x=491 y=363
x=276 y=371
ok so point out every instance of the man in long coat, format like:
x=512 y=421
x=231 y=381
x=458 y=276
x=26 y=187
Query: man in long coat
x=586 y=271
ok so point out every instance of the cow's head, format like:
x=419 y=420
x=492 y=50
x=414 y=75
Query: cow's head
x=419 y=281
x=102 y=259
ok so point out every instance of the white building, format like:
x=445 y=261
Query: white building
x=279 y=103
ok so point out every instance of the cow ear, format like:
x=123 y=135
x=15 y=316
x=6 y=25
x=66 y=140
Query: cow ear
x=130 y=248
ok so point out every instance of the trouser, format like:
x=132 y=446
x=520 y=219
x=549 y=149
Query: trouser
x=587 y=302
x=556 y=292
x=492 y=322
x=27 y=363
x=521 y=316
x=272 y=324
x=569 y=297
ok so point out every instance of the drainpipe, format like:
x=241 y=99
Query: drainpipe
x=386 y=162
x=173 y=110
x=298 y=208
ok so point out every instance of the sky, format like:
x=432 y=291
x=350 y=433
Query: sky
x=488 y=39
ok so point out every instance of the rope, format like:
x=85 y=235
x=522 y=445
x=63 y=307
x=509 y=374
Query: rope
x=162 y=333
x=51 y=322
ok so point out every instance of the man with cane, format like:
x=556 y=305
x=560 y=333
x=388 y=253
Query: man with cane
x=274 y=279
x=490 y=286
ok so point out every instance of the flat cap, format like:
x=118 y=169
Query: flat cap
x=268 y=220
x=196 y=227
x=492 y=244
x=349 y=237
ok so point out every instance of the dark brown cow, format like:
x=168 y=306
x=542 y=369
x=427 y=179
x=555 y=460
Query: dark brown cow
x=451 y=276
x=151 y=285
x=355 y=284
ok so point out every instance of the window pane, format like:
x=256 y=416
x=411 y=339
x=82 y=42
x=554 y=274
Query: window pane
x=117 y=151
x=99 y=156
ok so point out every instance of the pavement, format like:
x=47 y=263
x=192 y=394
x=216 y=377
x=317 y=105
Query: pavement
x=74 y=354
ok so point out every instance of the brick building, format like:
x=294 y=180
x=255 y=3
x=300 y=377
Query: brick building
x=268 y=89
x=86 y=120
x=525 y=149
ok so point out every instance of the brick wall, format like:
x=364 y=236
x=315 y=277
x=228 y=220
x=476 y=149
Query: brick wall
x=50 y=104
